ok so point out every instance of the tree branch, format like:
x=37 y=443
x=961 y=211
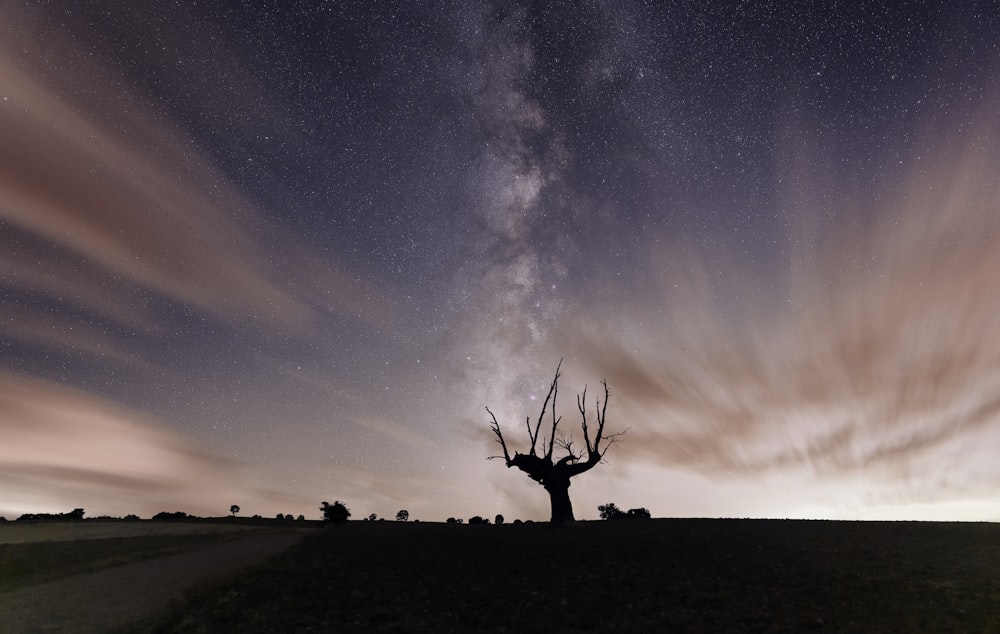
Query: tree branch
x=495 y=426
x=551 y=396
x=581 y=404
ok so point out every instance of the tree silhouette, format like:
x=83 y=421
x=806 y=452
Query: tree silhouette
x=498 y=519
x=610 y=511
x=336 y=512
x=234 y=509
x=555 y=476
x=402 y=516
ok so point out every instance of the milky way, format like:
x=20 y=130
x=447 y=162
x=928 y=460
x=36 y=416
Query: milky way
x=275 y=255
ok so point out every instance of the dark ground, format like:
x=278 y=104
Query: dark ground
x=621 y=576
x=97 y=586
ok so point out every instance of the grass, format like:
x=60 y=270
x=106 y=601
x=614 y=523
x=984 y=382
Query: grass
x=627 y=576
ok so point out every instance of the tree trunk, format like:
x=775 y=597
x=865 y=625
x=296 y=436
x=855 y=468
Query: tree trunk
x=562 y=508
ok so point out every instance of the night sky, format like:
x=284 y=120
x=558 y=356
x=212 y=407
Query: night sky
x=275 y=253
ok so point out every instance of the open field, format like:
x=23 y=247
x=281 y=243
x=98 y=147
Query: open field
x=32 y=553
x=49 y=531
x=94 y=576
x=625 y=576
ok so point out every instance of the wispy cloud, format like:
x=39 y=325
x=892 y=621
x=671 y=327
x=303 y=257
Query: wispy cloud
x=124 y=197
x=65 y=448
x=882 y=358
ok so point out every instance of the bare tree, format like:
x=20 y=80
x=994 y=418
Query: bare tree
x=539 y=464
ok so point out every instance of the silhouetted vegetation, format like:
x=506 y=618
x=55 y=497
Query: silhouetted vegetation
x=453 y=520
x=74 y=515
x=611 y=512
x=554 y=475
x=498 y=519
x=402 y=516
x=234 y=509
x=176 y=515
x=476 y=519
x=336 y=513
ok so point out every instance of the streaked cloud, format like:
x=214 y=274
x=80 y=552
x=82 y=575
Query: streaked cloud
x=128 y=193
x=84 y=451
x=879 y=357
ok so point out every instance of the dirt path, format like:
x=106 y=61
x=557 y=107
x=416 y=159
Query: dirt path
x=114 y=597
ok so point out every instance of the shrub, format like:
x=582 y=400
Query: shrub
x=336 y=513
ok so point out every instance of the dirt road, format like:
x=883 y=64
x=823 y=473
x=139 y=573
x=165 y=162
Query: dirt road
x=114 y=597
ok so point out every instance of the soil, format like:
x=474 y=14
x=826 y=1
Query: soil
x=34 y=532
x=110 y=599
x=616 y=576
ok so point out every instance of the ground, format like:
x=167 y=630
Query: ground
x=617 y=576
x=102 y=576
x=611 y=576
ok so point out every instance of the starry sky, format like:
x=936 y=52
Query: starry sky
x=275 y=253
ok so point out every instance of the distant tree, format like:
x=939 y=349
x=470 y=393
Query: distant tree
x=476 y=519
x=279 y=516
x=402 y=516
x=372 y=517
x=498 y=519
x=451 y=520
x=234 y=509
x=131 y=517
x=176 y=515
x=75 y=514
x=641 y=513
x=554 y=475
x=610 y=511
x=302 y=518
x=336 y=513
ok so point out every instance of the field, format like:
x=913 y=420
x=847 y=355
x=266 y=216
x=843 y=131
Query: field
x=621 y=576
x=96 y=576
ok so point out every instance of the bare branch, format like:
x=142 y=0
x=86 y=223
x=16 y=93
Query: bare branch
x=567 y=445
x=612 y=439
x=495 y=426
x=553 y=390
x=555 y=421
x=601 y=416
